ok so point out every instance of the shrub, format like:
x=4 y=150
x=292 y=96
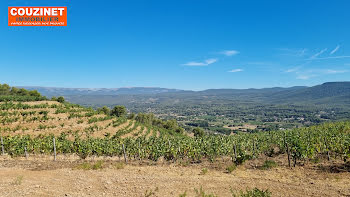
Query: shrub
x=204 y=171
x=119 y=165
x=88 y=166
x=119 y=111
x=252 y=193
x=198 y=132
x=98 y=165
x=151 y=192
x=231 y=168
x=242 y=158
x=268 y=164
x=84 y=166
x=105 y=110
x=18 y=180
x=201 y=193
x=60 y=99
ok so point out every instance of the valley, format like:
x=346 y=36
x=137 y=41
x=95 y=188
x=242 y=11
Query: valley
x=215 y=110
x=113 y=151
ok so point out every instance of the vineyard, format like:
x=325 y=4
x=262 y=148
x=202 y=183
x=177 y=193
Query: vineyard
x=54 y=137
x=29 y=128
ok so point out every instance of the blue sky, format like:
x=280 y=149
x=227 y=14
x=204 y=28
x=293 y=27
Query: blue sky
x=184 y=44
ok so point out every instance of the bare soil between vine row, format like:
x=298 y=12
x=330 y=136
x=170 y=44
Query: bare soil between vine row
x=40 y=176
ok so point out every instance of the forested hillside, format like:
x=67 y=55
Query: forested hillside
x=331 y=93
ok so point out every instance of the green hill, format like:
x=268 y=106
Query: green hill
x=327 y=93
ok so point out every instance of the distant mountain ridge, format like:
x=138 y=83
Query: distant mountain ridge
x=330 y=93
x=57 y=91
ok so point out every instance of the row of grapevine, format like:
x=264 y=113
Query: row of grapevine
x=331 y=139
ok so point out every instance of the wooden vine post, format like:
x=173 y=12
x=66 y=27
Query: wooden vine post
x=139 y=151
x=25 y=152
x=124 y=154
x=287 y=147
x=235 y=150
x=2 y=146
x=54 y=148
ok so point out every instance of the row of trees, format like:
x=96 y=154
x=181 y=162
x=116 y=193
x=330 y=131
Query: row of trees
x=5 y=89
x=8 y=93
x=59 y=99
x=118 y=111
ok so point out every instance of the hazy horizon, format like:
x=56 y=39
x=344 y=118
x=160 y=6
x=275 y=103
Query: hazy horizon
x=116 y=88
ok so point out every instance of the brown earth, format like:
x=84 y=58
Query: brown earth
x=57 y=123
x=243 y=127
x=44 y=177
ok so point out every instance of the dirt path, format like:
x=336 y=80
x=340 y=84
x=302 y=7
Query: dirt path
x=164 y=180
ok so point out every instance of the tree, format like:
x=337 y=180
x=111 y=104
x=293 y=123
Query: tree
x=147 y=119
x=23 y=92
x=104 y=110
x=53 y=98
x=4 y=89
x=131 y=116
x=180 y=130
x=34 y=93
x=170 y=124
x=118 y=111
x=60 y=99
x=14 y=91
x=198 y=132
